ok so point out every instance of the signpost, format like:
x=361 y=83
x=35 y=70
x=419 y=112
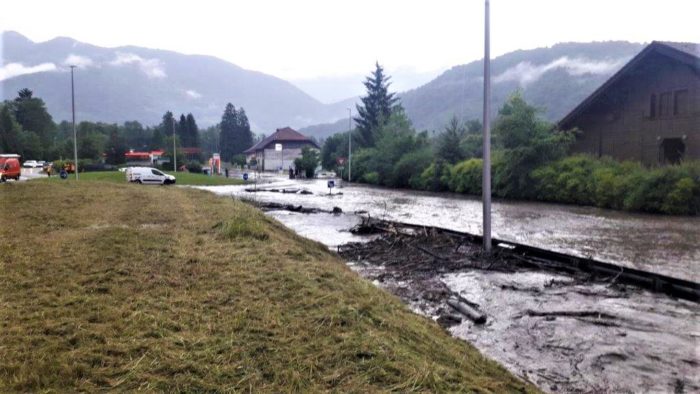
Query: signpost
x=245 y=176
x=331 y=185
x=341 y=167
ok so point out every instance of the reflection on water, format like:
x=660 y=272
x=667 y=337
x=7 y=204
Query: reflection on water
x=664 y=244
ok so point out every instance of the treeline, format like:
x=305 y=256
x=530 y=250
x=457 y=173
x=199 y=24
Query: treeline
x=530 y=159
x=27 y=129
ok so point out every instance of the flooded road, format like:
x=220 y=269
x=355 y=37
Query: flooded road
x=664 y=244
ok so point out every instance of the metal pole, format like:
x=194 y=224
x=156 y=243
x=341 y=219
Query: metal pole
x=486 y=176
x=349 y=144
x=75 y=133
x=175 y=149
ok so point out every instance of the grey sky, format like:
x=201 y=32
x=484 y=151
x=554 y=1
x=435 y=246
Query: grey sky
x=307 y=39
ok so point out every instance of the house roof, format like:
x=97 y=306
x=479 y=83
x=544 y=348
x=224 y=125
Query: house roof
x=285 y=134
x=686 y=52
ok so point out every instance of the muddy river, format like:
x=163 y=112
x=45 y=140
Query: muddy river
x=637 y=341
x=663 y=244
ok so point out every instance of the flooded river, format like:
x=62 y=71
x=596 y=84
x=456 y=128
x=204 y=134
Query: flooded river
x=663 y=244
x=639 y=341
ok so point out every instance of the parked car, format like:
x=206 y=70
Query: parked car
x=148 y=176
x=9 y=167
x=30 y=164
x=40 y=163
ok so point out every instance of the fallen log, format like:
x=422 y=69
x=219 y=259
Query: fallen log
x=467 y=310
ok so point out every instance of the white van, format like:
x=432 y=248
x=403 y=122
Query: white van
x=148 y=176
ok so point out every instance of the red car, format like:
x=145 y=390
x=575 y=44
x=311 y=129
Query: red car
x=9 y=167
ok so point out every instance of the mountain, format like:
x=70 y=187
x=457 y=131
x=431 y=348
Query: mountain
x=555 y=79
x=133 y=83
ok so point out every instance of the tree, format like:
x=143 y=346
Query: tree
x=192 y=131
x=168 y=124
x=158 y=139
x=116 y=147
x=307 y=162
x=448 y=143
x=376 y=107
x=525 y=141
x=236 y=136
x=227 y=140
x=9 y=131
x=30 y=112
x=182 y=131
x=244 y=137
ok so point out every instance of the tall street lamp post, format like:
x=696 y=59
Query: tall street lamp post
x=75 y=134
x=486 y=176
x=349 y=144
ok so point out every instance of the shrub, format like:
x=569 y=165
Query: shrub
x=371 y=178
x=466 y=176
x=435 y=178
x=406 y=172
x=194 y=166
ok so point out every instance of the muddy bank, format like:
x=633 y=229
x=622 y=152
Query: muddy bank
x=569 y=333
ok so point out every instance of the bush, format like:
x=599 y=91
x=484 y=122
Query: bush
x=466 y=176
x=238 y=160
x=630 y=186
x=371 y=178
x=194 y=166
x=435 y=178
x=407 y=170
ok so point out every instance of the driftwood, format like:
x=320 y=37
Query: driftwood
x=467 y=310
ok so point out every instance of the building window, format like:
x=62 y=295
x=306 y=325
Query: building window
x=652 y=106
x=680 y=102
x=665 y=104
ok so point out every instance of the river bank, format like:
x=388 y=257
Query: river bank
x=126 y=287
x=663 y=244
x=565 y=332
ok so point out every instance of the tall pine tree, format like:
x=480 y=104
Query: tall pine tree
x=192 y=131
x=227 y=139
x=9 y=131
x=182 y=131
x=376 y=107
x=244 y=137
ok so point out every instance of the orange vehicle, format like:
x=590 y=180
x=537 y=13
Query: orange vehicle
x=9 y=167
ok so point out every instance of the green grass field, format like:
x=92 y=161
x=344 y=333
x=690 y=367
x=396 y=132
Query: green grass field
x=106 y=287
x=183 y=178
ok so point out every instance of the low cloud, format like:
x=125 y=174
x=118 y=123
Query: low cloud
x=12 y=70
x=526 y=73
x=153 y=68
x=77 y=60
x=193 y=94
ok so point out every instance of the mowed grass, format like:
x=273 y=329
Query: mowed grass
x=183 y=178
x=108 y=286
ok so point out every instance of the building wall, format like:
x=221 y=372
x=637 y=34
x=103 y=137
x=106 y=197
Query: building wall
x=621 y=123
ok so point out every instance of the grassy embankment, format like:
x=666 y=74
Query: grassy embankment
x=183 y=178
x=107 y=286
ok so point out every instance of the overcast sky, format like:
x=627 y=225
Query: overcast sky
x=305 y=39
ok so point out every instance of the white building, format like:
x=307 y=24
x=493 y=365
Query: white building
x=278 y=151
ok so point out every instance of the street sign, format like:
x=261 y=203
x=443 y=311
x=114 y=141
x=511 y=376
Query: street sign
x=245 y=176
x=341 y=160
x=331 y=184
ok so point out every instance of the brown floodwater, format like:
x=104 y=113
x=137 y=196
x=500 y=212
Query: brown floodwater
x=669 y=245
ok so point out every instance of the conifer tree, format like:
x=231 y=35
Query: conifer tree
x=376 y=107
x=227 y=139
x=192 y=131
x=182 y=131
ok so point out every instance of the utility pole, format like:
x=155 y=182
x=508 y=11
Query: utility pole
x=175 y=148
x=349 y=145
x=75 y=133
x=486 y=176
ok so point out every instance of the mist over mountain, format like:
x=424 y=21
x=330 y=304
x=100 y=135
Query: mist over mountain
x=133 y=83
x=555 y=79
